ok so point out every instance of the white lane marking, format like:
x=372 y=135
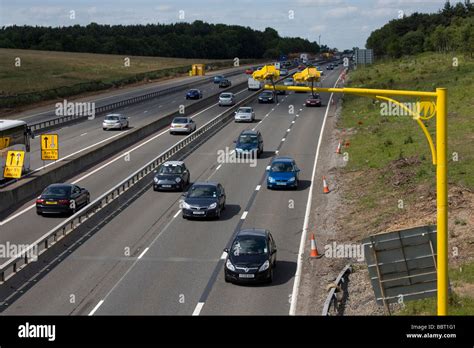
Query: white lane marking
x=198 y=308
x=96 y=308
x=143 y=253
x=296 y=283
x=224 y=256
x=177 y=213
x=292 y=122
x=258 y=187
x=105 y=164
x=145 y=111
x=83 y=134
x=301 y=110
x=283 y=139
x=276 y=152
x=159 y=106
x=218 y=167
x=244 y=215
x=288 y=130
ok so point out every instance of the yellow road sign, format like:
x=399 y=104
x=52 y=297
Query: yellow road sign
x=4 y=142
x=14 y=164
x=49 y=147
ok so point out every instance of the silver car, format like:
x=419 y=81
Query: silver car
x=226 y=99
x=182 y=125
x=288 y=82
x=245 y=113
x=115 y=121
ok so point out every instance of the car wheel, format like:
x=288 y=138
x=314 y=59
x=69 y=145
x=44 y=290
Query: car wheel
x=218 y=214
x=270 y=279
x=88 y=200
x=38 y=213
x=184 y=217
x=226 y=278
x=104 y=129
x=128 y=125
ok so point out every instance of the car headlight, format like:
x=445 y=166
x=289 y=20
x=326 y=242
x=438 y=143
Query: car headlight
x=185 y=205
x=291 y=179
x=265 y=266
x=178 y=180
x=155 y=180
x=229 y=265
x=270 y=179
x=213 y=205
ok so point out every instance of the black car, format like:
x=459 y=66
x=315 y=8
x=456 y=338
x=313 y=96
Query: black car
x=62 y=198
x=330 y=67
x=194 y=94
x=204 y=199
x=251 y=257
x=172 y=175
x=225 y=83
x=249 y=143
x=266 y=97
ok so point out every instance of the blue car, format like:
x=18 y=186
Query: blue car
x=249 y=143
x=283 y=172
x=194 y=94
x=218 y=78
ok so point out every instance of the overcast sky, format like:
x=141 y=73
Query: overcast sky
x=341 y=23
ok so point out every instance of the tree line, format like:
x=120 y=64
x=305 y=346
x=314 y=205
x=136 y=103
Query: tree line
x=182 y=40
x=451 y=29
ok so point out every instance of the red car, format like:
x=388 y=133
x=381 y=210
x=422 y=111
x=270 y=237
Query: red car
x=249 y=71
x=313 y=101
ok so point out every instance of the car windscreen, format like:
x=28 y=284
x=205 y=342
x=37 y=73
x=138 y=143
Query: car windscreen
x=267 y=94
x=245 y=110
x=170 y=170
x=112 y=118
x=249 y=245
x=282 y=167
x=226 y=95
x=57 y=191
x=202 y=191
x=247 y=139
x=192 y=91
x=180 y=120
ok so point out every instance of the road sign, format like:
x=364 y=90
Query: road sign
x=49 y=147
x=4 y=142
x=14 y=164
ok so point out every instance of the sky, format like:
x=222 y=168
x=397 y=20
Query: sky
x=335 y=23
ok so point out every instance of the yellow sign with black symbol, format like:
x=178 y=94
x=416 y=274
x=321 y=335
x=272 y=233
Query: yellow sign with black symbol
x=14 y=164
x=49 y=147
x=4 y=142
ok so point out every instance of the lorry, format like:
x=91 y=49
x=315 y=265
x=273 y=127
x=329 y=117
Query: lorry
x=254 y=85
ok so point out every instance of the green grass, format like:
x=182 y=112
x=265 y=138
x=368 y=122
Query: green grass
x=458 y=305
x=43 y=70
x=381 y=139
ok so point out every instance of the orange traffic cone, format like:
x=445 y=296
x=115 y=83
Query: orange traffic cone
x=325 y=185
x=314 y=250
x=338 y=150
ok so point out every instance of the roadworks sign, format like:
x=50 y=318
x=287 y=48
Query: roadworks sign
x=14 y=164
x=49 y=147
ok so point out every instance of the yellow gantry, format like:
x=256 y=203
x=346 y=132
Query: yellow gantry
x=439 y=151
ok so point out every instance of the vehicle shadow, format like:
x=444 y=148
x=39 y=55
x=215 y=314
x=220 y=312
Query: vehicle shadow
x=266 y=154
x=230 y=211
x=303 y=185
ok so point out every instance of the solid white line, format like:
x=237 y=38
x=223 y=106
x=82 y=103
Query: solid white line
x=296 y=283
x=96 y=307
x=258 y=188
x=105 y=164
x=244 y=215
x=198 y=308
x=83 y=134
x=143 y=253
x=177 y=213
x=218 y=167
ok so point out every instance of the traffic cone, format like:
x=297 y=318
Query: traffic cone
x=338 y=150
x=325 y=185
x=314 y=250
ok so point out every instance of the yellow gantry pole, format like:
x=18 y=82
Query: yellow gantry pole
x=442 y=198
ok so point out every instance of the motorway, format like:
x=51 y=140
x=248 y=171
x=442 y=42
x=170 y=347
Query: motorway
x=175 y=265
x=80 y=137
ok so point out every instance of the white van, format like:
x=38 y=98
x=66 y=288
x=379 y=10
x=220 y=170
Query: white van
x=254 y=85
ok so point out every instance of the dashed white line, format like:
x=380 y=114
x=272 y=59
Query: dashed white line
x=143 y=253
x=198 y=308
x=83 y=134
x=244 y=215
x=283 y=139
x=292 y=122
x=96 y=308
x=288 y=130
x=218 y=167
x=258 y=187
x=177 y=213
x=145 y=111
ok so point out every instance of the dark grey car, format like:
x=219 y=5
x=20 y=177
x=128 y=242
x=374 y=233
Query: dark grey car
x=172 y=175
